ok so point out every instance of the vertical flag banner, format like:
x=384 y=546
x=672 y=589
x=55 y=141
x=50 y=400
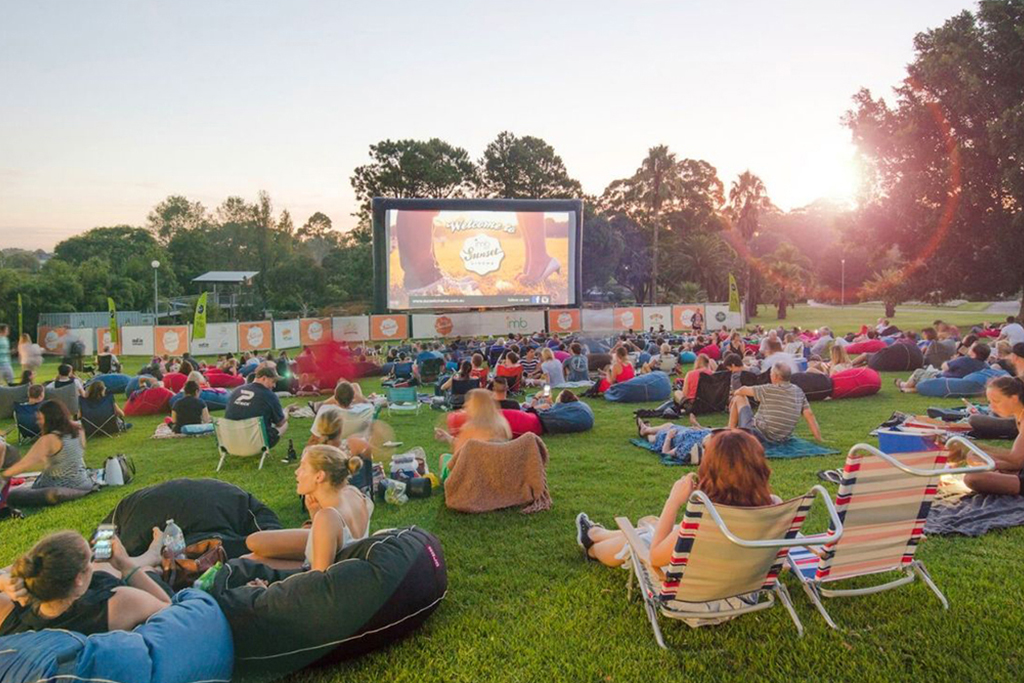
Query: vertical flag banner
x=21 y=319
x=112 y=326
x=734 y=295
x=199 y=324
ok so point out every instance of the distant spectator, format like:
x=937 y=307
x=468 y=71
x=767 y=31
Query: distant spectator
x=189 y=409
x=66 y=377
x=6 y=371
x=257 y=399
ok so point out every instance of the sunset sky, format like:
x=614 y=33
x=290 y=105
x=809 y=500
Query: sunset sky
x=108 y=107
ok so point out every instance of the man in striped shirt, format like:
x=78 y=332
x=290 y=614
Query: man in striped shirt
x=780 y=405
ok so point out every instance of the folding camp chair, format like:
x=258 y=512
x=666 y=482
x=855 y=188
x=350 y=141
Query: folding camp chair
x=242 y=438
x=402 y=400
x=99 y=418
x=457 y=393
x=715 y=573
x=883 y=502
x=25 y=416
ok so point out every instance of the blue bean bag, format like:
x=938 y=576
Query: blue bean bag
x=566 y=418
x=215 y=399
x=687 y=357
x=114 y=382
x=971 y=385
x=189 y=641
x=654 y=386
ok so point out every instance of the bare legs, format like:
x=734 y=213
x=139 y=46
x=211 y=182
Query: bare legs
x=737 y=404
x=608 y=544
x=999 y=483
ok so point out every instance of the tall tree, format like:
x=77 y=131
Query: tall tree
x=748 y=201
x=319 y=236
x=175 y=214
x=526 y=167
x=704 y=258
x=787 y=274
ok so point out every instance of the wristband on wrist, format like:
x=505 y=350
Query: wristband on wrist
x=129 y=575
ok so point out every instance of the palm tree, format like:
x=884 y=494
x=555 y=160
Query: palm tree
x=787 y=272
x=705 y=259
x=748 y=197
x=656 y=182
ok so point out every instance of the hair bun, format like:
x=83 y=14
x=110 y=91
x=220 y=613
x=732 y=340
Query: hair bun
x=355 y=463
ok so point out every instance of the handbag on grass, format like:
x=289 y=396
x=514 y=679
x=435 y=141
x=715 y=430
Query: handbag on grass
x=180 y=573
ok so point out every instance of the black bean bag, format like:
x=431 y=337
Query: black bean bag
x=598 y=361
x=378 y=590
x=816 y=386
x=897 y=357
x=751 y=379
x=203 y=508
x=992 y=427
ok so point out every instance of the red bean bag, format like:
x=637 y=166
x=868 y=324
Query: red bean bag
x=222 y=380
x=711 y=351
x=520 y=421
x=753 y=348
x=151 y=401
x=869 y=346
x=856 y=382
x=174 y=381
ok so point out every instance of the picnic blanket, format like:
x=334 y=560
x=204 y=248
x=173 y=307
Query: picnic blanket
x=488 y=476
x=973 y=514
x=164 y=431
x=794 y=447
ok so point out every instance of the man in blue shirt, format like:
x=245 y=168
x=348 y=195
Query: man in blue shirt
x=6 y=371
x=965 y=365
x=257 y=399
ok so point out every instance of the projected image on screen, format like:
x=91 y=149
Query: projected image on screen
x=479 y=258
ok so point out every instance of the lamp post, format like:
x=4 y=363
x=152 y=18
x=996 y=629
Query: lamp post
x=156 y=292
x=842 y=300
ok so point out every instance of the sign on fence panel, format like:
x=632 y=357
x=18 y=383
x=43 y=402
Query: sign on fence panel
x=103 y=341
x=353 y=328
x=313 y=331
x=629 y=318
x=220 y=338
x=170 y=340
x=389 y=327
x=656 y=316
x=564 y=320
x=717 y=315
x=682 y=316
x=598 y=319
x=256 y=336
x=286 y=334
x=428 y=325
x=137 y=340
x=87 y=336
x=52 y=339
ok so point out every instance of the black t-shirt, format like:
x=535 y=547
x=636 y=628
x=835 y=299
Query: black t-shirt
x=255 y=400
x=189 y=411
x=87 y=615
x=509 y=403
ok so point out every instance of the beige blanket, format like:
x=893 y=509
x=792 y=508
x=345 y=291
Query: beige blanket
x=488 y=476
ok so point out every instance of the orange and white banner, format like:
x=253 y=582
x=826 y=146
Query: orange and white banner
x=54 y=340
x=628 y=318
x=170 y=340
x=389 y=327
x=313 y=331
x=564 y=320
x=682 y=316
x=256 y=336
x=103 y=341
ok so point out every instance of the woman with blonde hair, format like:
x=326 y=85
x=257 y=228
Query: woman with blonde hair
x=484 y=422
x=839 y=360
x=733 y=471
x=340 y=514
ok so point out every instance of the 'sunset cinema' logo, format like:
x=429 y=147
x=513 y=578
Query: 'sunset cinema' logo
x=171 y=341
x=254 y=336
x=315 y=331
x=657 y=319
x=627 y=319
x=52 y=340
x=564 y=321
x=443 y=325
x=481 y=254
x=389 y=327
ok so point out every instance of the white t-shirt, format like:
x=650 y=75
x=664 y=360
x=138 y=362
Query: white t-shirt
x=1014 y=333
x=779 y=357
x=356 y=419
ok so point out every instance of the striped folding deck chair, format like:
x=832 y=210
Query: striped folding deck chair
x=726 y=560
x=883 y=503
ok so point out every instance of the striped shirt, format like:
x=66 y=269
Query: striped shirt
x=780 y=408
x=529 y=366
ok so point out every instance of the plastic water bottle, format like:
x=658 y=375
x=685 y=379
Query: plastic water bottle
x=174 y=540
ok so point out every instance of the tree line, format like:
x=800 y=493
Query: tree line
x=940 y=216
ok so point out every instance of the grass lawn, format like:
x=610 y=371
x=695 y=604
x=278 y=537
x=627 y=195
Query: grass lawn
x=845 y=319
x=523 y=605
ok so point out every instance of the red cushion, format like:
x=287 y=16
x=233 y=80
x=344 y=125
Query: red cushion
x=522 y=422
x=152 y=401
x=711 y=351
x=174 y=381
x=856 y=382
x=222 y=380
x=869 y=346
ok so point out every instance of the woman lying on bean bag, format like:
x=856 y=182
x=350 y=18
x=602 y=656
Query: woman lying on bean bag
x=565 y=415
x=150 y=399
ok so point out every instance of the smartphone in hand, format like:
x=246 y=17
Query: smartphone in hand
x=102 y=542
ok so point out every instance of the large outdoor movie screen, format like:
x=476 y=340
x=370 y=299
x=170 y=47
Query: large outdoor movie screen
x=476 y=253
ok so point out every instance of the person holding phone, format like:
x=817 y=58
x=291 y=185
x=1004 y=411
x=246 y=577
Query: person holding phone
x=58 y=584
